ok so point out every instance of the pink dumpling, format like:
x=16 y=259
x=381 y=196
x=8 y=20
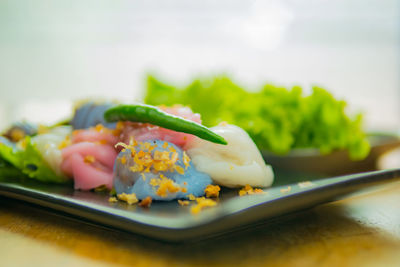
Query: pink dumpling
x=87 y=177
x=93 y=135
x=90 y=158
x=105 y=154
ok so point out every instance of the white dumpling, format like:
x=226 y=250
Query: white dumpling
x=48 y=146
x=233 y=165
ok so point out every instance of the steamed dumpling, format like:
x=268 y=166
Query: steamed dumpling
x=170 y=175
x=233 y=165
x=48 y=145
x=91 y=114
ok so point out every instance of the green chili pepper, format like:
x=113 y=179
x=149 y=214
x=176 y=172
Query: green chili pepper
x=155 y=116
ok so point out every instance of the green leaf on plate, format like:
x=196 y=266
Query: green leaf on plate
x=28 y=160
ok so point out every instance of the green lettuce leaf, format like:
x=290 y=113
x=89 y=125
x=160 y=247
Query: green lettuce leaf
x=29 y=161
x=7 y=170
x=278 y=119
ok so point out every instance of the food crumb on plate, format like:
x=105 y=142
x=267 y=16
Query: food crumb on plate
x=212 y=190
x=305 y=184
x=146 y=203
x=191 y=197
x=112 y=200
x=183 y=202
x=202 y=202
x=128 y=198
x=286 y=190
x=248 y=190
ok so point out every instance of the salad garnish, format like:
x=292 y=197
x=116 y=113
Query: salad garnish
x=278 y=119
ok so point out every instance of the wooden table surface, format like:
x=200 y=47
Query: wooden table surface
x=362 y=230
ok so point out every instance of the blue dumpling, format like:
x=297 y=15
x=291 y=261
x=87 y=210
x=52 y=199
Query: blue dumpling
x=90 y=114
x=143 y=183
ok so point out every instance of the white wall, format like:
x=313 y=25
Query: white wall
x=52 y=52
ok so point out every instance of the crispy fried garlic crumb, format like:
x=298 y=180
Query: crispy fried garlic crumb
x=118 y=128
x=202 y=202
x=112 y=199
x=305 y=184
x=66 y=142
x=159 y=161
x=212 y=190
x=183 y=202
x=191 y=197
x=89 y=159
x=258 y=191
x=186 y=160
x=102 y=129
x=165 y=145
x=248 y=190
x=146 y=203
x=123 y=160
x=128 y=198
x=99 y=127
x=166 y=186
x=286 y=190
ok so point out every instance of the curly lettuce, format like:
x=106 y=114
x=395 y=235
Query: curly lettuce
x=25 y=158
x=277 y=118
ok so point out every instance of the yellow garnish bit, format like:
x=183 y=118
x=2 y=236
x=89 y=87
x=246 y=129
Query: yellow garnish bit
x=123 y=160
x=248 y=190
x=201 y=204
x=186 y=160
x=102 y=142
x=118 y=128
x=112 y=199
x=136 y=168
x=183 y=202
x=305 y=184
x=89 y=159
x=286 y=190
x=128 y=198
x=179 y=169
x=191 y=197
x=165 y=186
x=174 y=157
x=132 y=141
x=99 y=127
x=66 y=142
x=159 y=161
x=145 y=203
x=212 y=190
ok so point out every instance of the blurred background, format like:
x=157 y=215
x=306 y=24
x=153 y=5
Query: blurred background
x=54 y=52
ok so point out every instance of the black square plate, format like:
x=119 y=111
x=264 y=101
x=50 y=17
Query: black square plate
x=171 y=222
